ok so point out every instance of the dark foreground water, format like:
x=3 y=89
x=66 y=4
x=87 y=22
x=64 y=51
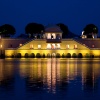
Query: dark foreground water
x=50 y=79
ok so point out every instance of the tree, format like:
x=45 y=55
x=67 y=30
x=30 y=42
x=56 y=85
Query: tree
x=33 y=28
x=64 y=28
x=90 y=30
x=7 y=30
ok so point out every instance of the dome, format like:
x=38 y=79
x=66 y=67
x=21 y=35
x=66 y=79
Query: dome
x=53 y=29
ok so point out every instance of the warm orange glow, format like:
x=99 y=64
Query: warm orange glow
x=20 y=44
x=39 y=46
x=1 y=45
x=49 y=73
x=54 y=74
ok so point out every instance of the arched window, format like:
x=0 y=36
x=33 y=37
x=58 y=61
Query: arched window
x=58 y=46
x=48 y=46
x=53 y=55
x=48 y=55
x=39 y=46
x=20 y=44
x=80 y=55
x=53 y=36
x=32 y=55
x=67 y=46
x=31 y=46
x=49 y=36
x=68 y=55
x=53 y=46
x=75 y=46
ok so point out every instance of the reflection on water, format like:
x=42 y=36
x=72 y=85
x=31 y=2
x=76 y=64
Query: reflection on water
x=52 y=78
x=6 y=76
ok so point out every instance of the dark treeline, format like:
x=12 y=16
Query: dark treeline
x=32 y=29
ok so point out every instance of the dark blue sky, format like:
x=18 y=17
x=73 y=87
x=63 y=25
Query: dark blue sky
x=74 y=13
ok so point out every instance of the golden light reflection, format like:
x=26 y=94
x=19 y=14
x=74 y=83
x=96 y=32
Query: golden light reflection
x=90 y=73
x=1 y=72
x=39 y=67
x=67 y=69
x=76 y=67
x=53 y=66
x=71 y=70
x=49 y=73
x=6 y=71
x=58 y=69
x=23 y=69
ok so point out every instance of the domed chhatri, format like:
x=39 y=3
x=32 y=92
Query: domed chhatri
x=53 y=32
x=53 y=29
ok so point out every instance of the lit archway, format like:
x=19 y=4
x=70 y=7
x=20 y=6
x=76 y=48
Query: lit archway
x=48 y=46
x=53 y=46
x=18 y=55
x=80 y=55
x=92 y=56
x=68 y=55
x=38 y=55
x=32 y=55
x=87 y=55
x=48 y=55
x=74 y=55
x=58 y=55
x=48 y=36
x=43 y=56
x=53 y=55
x=26 y=55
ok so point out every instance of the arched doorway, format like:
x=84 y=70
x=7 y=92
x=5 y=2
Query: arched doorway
x=87 y=55
x=43 y=56
x=92 y=56
x=53 y=55
x=38 y=55
x=26 y=55
x=18 y=55
x=48 y=55
x=58 y=36
x=63 y=55
x=57 y=55
x=80 y=55
x=68 y=55
x=32 y=55
x=74 y=55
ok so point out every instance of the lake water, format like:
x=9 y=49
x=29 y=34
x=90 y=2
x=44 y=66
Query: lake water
x=50 y=79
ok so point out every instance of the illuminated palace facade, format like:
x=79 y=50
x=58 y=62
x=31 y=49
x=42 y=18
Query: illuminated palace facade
x=51 y=45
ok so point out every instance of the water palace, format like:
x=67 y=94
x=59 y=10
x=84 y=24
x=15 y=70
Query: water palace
x=51 y=45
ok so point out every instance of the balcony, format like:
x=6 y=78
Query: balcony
x=53 y=40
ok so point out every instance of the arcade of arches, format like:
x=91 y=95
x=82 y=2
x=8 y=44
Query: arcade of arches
x=54 y=55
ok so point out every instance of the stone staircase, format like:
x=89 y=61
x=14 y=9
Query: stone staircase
x=81 y=43
x=24 y=43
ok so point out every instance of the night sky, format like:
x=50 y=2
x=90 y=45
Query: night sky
x=76 y=14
